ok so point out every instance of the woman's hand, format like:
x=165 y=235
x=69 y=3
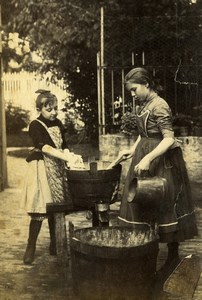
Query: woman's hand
x=143 y=165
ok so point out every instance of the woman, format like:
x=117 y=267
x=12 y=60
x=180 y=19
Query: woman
x=157 y=152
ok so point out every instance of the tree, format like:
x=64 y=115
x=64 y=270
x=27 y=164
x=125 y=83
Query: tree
x=66 y=33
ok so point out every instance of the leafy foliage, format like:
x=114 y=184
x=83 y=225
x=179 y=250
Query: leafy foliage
x=74 y=126
x=16 y=51
x=66 y=33
x=16 y=119
x=182 y=120
x=128 y=124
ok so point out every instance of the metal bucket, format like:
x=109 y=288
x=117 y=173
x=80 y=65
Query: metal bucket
x=149 y=191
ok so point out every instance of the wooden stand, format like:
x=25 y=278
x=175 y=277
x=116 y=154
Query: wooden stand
x=90 y=190
x=100 y=218
x=59 y=210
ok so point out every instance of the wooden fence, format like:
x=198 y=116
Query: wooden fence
x=19 y=89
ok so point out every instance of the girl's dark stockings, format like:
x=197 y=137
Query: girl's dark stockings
x=34 y=229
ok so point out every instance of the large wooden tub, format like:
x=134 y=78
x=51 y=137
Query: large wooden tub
x=88 y=187
x=113 y=263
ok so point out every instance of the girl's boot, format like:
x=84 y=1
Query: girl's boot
x=34 y=229
x=52 y=247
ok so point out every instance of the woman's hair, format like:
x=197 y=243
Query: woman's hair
x=141 y=76
x=44 y=98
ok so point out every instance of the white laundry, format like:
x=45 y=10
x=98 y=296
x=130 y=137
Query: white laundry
x=75 y=161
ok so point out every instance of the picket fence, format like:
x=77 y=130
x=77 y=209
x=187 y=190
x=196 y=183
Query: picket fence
x=19 y=89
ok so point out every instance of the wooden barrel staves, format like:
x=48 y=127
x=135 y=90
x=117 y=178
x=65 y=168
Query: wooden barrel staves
x=88 y=187
x=113 y=263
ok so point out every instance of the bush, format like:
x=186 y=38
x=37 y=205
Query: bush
x=74 y=126
x=182 y=120
x=128 y=124
x=21 y=139
x=16 y=119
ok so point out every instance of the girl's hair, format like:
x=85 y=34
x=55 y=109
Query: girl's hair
x=142 y=76
x=44 y=98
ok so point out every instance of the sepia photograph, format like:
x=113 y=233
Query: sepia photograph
x=100 y=150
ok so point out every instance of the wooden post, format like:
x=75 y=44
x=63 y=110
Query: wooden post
x=59 y=211
x=3 y=162
x=102 y=66
x=175 y=84
x=143 y=58
x=123 y=91
x=112 y=86
x=61 y=237
x=197 y=86
x=133 y=58
x=99 y=95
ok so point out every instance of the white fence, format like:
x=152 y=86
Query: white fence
x=19 y=89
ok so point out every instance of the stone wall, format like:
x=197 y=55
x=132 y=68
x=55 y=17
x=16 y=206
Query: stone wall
x=110 y=145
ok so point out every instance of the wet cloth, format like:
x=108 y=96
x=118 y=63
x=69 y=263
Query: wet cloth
x=175 y=216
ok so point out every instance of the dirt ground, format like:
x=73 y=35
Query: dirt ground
x=45 y=278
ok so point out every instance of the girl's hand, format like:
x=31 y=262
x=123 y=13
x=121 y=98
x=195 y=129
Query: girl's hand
x=67 y=155
x=143 y=165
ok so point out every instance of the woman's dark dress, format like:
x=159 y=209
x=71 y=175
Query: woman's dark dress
x=175 y=217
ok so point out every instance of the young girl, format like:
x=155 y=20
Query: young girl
x=45 y=180
x=157 y=152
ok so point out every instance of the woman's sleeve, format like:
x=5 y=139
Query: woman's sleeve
x=39 y=135
x=163 y=117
